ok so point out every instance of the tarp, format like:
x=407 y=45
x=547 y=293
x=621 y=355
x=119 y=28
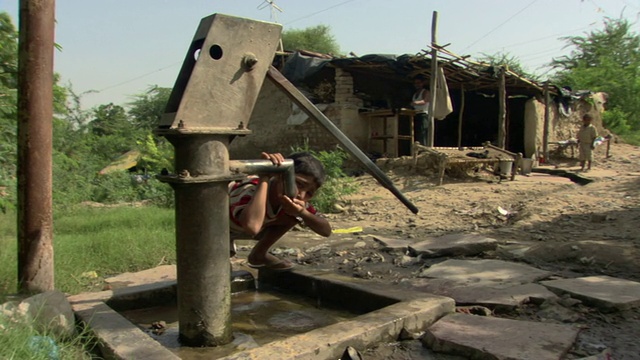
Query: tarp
x=124 y=162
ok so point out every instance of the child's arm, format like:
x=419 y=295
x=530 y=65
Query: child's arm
x=252 y=216
x=297 y=208
x=316 y=223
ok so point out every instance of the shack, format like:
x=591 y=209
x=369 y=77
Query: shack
x=368 y=99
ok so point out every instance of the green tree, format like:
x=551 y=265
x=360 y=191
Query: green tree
x=147 y=108
x=607 y=60
x=9 y=108
x=511 y=62
x=316 y=38
x=8 y=92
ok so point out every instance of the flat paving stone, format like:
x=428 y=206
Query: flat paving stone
x=605 y=292
x=490 y=338
x=484 y=272
x=498 y=297
x=149 y=276
x=453 y=245
x=391 y=244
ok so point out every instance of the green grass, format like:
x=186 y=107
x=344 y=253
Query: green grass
x=632 y=138
x=87 y=241
x=106 y=241
x=20 y=340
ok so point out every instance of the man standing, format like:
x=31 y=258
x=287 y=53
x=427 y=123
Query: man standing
x=420 y=103
x=586 y=136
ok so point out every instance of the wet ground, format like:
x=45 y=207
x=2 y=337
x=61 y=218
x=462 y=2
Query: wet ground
x=257 y=318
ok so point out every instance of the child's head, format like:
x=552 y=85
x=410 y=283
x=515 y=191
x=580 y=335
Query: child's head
x=306 y=164
x=586 y=119
x=310 y=173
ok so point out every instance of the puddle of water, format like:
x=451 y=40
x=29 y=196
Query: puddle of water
x=257 y=318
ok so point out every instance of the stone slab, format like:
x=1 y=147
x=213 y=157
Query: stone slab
x=119 y=338
x=390 y=244
x=508 y=297
x=498 y=297
x=156 y=274
x=605 y=292
x=453 y=245
x=484 y=272
x=379 y=326
x=482 y=337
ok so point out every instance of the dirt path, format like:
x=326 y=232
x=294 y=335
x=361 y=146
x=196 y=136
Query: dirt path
x=570 y=229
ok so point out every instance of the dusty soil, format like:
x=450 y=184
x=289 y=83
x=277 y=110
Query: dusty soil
x=570 y=229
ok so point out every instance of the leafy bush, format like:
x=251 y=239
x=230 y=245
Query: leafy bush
x=122 y=186
x=337 y=184
x=616 y=120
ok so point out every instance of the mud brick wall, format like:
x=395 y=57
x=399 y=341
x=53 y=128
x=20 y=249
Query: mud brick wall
x=271 y=133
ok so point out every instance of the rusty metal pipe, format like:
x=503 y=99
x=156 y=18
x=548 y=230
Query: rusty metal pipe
x=260 y=167
x=35 y=133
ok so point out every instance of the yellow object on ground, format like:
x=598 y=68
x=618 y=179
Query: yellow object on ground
x=350 y=230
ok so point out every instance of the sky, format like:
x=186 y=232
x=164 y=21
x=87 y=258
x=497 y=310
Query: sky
x=115 y=49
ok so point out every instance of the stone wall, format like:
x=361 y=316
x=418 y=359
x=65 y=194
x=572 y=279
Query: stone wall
x=271 y=131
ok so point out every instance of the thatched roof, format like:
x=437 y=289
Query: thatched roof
x=459 y=71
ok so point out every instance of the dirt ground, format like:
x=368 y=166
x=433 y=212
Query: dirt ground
x=569 y=229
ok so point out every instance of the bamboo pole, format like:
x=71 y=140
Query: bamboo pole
x=502 y=107
x=432 y=88
x=460 y=116
x=545 y=129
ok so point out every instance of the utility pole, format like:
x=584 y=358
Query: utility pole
x=35 y=129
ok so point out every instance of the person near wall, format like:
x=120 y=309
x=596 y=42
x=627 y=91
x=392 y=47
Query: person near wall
x=586 y=137
x=420 y=103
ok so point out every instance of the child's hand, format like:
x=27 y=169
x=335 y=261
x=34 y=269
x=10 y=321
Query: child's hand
x=276 y=158
x=292 y=207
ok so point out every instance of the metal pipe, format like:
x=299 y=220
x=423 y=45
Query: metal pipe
x=35 y=133
x=307 y=106
x=259 y=167
x=202 y=239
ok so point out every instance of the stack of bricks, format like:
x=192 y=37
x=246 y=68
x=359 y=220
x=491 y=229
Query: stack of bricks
x=344 y=91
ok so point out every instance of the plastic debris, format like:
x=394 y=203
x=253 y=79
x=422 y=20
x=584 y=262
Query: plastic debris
x=350 y=230
x=44 y=346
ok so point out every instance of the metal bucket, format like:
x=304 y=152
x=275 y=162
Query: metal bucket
x=526 y=165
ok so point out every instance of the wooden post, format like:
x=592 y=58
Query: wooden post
x=502 y=109
x=460 y=116
x=35 y=133
x=545 y=129
x=432 y=88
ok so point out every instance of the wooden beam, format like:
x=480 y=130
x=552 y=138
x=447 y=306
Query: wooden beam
x=545 y=129
x=460 y=116
x=434 y=69
x=502 y=109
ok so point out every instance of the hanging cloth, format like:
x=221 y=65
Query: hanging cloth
x=443 y=106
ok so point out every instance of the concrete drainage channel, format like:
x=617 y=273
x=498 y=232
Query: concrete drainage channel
x=380 y=316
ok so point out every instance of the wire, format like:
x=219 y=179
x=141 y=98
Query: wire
x=321 y=11
x=497 y=27
x=137 y=77
x=542 y=38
